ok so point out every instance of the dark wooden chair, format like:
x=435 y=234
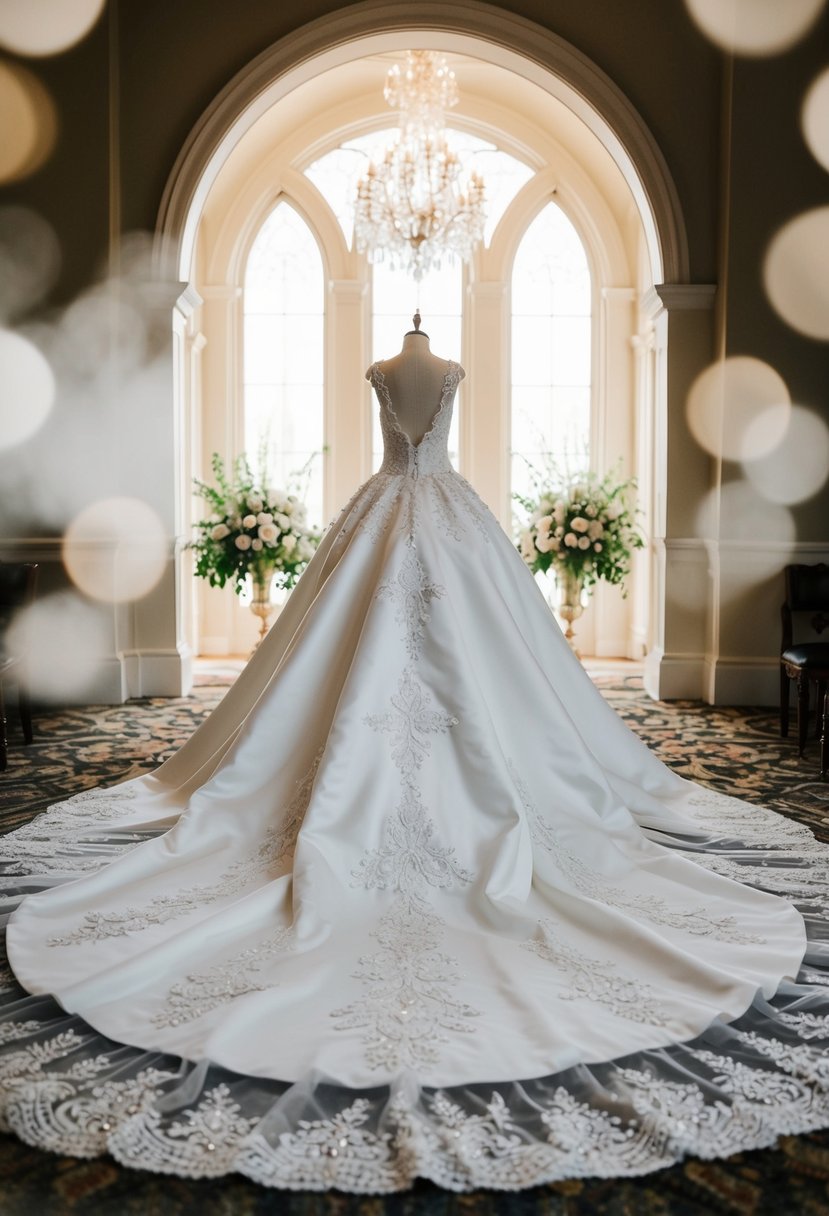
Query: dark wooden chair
x=807 y=663
x=17 y=590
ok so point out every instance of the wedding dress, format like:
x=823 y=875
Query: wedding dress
x=412 y=901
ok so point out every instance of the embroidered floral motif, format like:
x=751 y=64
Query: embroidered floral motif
x=807 y=1025
x=809 y=1064
x=467 y=507
x=340 y=1151
x=408 y=859
x=408 y=1007
x=410 y=722
x=201 y=1142
x=597 y=980
x=267 y=860
x=203 y=991
x=52 y=842
x=411 y=593
x=732 y=817
x=595 y=885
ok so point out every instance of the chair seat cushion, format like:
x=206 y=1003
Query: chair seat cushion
x=809 y=655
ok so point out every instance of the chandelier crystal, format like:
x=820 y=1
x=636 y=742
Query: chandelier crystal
x=412 y=205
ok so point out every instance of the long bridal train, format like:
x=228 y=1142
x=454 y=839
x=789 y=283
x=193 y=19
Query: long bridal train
x=412 y=901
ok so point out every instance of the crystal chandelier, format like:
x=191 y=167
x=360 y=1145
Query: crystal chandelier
x=412 y=206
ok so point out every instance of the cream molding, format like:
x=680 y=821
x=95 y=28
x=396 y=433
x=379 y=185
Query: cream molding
x=469 y=26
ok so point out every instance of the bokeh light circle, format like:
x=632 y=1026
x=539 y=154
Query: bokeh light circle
x=755 y=27
x=100 y=327
x=44 y=27
x=63 y=639
x=28 y=122
x=763 y=530
x=796 y=273
x=815 y=119
x=29 y=260
x=115 y=549
x=738 y=408
x=27 y=389
x=799 y=467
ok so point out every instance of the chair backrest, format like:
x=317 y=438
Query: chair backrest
x=17 y=589
x=807 y=590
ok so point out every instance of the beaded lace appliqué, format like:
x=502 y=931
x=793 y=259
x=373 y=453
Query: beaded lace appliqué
x=408 y=1006
x=411 y=592
x=52 y=841
x=203 y=991
x=410 y=721
x=408 y=858
x=594 y=885
x=597 y=980
x=267 y=860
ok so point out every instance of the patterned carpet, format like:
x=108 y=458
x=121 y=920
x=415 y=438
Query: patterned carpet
x=737 y=751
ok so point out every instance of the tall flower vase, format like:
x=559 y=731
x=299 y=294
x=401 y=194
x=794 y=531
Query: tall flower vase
x=570 y=607
x=261 y=604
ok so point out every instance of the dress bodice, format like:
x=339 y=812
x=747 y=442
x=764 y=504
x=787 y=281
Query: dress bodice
x=430 y=454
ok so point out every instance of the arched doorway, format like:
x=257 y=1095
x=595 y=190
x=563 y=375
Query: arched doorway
x=603 y=168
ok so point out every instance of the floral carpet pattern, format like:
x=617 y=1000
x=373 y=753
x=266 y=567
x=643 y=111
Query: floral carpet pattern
x=737 y=751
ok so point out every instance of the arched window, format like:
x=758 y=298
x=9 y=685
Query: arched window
x=551 y=348
x=283 y=352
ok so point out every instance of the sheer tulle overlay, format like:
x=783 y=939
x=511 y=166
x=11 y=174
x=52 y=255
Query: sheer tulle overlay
x=412 y=902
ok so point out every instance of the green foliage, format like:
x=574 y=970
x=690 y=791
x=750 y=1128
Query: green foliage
x=581 y=523
x=251 y=529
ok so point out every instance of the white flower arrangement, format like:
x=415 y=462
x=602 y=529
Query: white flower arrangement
x=582 y=525
x=251 y=530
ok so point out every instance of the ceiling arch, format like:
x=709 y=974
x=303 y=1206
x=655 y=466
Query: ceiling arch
x=476 y=30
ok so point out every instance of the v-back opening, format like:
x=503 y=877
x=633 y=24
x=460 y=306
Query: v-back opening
x=445 y=397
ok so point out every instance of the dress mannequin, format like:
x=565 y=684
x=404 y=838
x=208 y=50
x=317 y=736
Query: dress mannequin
x=415 y=379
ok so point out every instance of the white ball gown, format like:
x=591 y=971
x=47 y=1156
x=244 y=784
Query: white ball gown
x=412 y=901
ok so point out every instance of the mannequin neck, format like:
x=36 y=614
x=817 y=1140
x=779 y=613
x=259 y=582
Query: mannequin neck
x=415 y=340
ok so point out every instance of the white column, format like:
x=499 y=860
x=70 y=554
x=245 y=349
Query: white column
x=682 y=320
x=612 y=444
x=347 y=393
x=485 y=429
x=222 y=432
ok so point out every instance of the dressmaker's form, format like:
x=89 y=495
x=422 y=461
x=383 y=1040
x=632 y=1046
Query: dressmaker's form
x=415 y=381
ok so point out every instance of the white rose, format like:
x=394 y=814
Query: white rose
x=264 y=517
x=590 y=510
x=289 y=542
x=598 y=547
x=559 y=512
x=584 y=542
x=268 y=533
x=236 y=522
x=242 y=542
x=255 y=503
x=219 y=532
x=579 y=524
x=527 y=545
x=571 y=540
x=256 y=544
x=543 y=543
x=555 y=544
x=545 y=523
x=249 y=521
x=560 y=530
x=596 y=529
x=282 y=519
x=290 y=505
